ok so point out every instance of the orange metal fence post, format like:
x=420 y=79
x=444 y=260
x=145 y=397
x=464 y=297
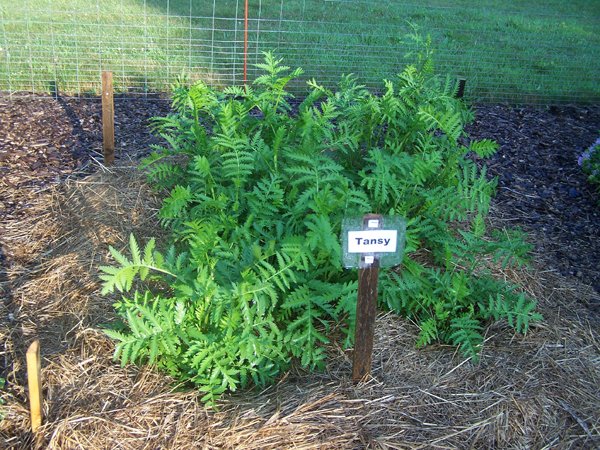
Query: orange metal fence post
x=246 y=43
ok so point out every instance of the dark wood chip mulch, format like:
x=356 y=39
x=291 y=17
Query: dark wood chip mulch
x=541 y=188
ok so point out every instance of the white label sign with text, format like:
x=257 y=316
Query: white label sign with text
x=372 y=241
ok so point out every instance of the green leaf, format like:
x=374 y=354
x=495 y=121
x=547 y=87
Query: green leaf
x=466 y=334
x=484 y=148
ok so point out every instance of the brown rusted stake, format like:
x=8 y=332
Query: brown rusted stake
x=34 y=375
x=108 y=119
x=366 y=310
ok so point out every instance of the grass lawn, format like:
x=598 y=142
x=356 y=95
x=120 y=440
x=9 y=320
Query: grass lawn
x=525 y=52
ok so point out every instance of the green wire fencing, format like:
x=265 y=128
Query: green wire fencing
x=508 y=51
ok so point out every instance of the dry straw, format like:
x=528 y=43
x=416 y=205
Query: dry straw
x=537 y=391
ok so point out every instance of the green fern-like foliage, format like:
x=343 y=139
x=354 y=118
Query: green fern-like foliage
x=141 y=265
x=255 y=194
x=465 y=332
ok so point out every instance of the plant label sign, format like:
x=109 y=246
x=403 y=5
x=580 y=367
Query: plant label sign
x=372 y=241
x=373 y=238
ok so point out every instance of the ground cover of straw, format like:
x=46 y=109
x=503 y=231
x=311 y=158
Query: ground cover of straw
x=537 y=391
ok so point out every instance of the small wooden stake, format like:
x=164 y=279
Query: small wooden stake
x=34 y=374
x=366 y=310
x=462 y=82
x=53 y=85
x=108 y=118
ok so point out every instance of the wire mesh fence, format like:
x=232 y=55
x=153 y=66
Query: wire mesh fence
x=523 y=52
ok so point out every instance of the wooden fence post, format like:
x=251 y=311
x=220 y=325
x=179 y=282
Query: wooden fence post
x=108 y=119
x=34 y=375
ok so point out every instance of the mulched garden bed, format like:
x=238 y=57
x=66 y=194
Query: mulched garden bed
x=541 y=188
x=44 y=140
x=57 y=220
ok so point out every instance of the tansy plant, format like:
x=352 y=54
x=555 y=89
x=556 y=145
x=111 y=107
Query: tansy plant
x=254 y=202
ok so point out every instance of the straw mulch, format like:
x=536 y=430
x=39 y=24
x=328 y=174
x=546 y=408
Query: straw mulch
x=538 y=391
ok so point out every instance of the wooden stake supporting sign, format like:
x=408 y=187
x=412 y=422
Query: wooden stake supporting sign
x=366 y=307
x=370 y=243
x=34 y=376
x=108 y=119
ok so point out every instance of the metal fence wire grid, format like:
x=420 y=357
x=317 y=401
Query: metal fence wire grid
x=521 y=52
